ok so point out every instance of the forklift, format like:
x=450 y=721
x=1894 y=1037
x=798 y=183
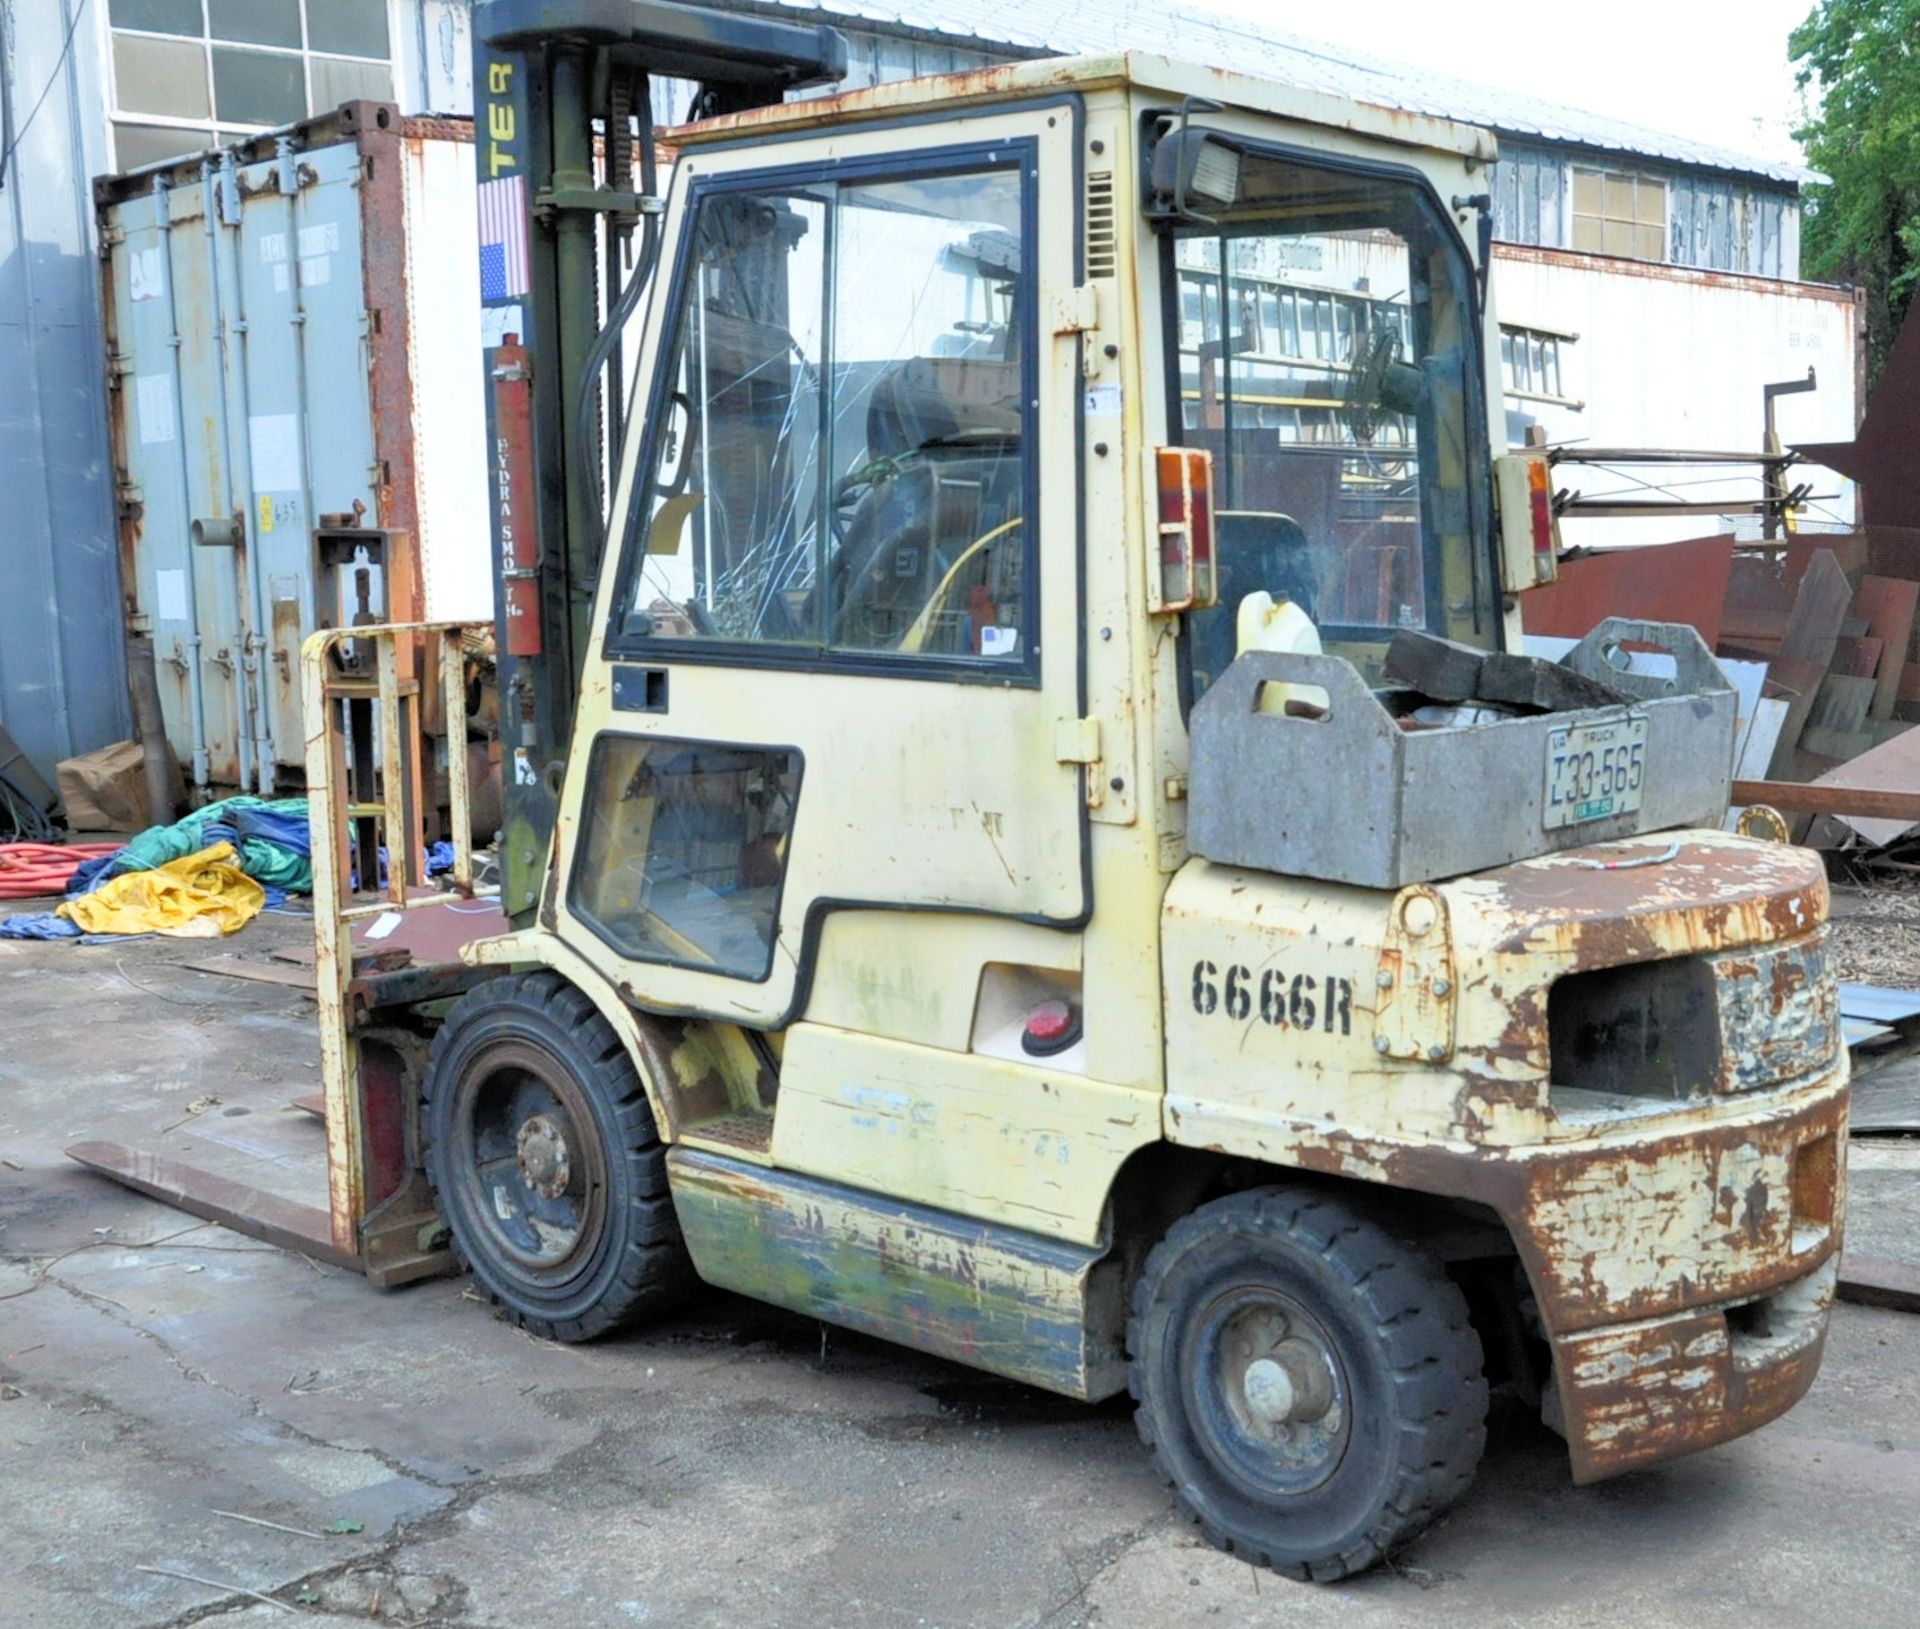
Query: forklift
x=1027 y=830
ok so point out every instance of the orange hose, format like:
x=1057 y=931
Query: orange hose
x=30 y=870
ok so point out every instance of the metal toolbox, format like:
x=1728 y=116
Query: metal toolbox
x=1357 y=796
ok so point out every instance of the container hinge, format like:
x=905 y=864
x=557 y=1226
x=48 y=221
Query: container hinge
x=1076 y=311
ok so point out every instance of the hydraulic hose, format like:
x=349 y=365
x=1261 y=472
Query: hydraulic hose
x=587 y=407
x=31 y=870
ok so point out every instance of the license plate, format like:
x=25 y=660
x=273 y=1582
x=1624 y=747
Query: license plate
x=1594 y=771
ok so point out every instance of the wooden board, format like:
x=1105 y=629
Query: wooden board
x=1819 y=611
x=1889 y=606
x=1857 y=657
x=1841 y=703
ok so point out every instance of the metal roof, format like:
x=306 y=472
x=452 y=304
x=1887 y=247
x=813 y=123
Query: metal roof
x=1193 y=33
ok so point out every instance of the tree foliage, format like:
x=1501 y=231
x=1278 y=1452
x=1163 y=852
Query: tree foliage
x=1863 y=224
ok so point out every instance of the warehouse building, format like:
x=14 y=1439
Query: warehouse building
x=1648 y=286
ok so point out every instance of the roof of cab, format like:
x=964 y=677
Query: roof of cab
x=1022 y=81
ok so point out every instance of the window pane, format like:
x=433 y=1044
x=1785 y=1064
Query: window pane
x=258 y=87
x=1619 y=196
x=1650 y=202
x=1331 y=465
x=1616 y=237
x=1586 y=232
x=160 y=76
x=255 y=22
x=138 y=144
x=684 y=850
x=729 y=549
x=157 y=16
x=336 y=81
x=1586 y=192
x=1650 y=242
x=927 y=551
x=357 y=28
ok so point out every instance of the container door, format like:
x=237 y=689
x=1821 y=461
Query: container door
x=841 y=657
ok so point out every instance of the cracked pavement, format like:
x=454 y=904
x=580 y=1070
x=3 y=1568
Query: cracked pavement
x=731 y=1466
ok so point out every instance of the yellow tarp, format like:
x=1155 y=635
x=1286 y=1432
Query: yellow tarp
x=196 y=896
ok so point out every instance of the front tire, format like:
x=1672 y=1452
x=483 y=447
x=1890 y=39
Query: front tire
x=1308 y=1386
x=544 y=1159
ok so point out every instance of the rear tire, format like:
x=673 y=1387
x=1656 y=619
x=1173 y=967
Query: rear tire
x=1308 y=1386
x=545 y=1162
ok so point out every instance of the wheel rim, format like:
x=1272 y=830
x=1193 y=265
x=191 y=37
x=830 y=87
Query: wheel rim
x=530 y=1165
x=1268 y=1392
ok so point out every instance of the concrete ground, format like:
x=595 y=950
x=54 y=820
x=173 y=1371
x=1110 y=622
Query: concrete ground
x=735 y=1466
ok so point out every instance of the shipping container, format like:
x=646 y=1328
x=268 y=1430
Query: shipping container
x=293 y=350
x=1608 y=352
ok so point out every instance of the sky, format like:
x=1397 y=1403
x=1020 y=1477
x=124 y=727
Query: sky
x=1714 y=70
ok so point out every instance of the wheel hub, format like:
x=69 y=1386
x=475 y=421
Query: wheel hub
x=1293 y=1382
x=1279 y=1414
x=542 y=1155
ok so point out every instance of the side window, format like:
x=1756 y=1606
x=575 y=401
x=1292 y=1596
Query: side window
x=684 y=848
x=841 y=465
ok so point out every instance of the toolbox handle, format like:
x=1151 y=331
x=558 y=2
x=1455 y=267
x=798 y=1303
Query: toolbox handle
x=1695 y=669
x=1350 y=700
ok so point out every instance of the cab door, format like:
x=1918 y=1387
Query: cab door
x=838 y=661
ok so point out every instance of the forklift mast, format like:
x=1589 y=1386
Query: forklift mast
x=569 y=235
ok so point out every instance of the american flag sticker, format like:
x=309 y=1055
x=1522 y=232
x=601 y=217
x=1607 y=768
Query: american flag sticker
x=503 y=238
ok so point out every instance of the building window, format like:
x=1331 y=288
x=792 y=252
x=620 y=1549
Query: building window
x=191 y=74
x=1615 y=213
x=1530 y=364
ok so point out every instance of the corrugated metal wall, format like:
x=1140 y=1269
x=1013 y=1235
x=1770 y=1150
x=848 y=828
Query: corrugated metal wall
x=62 y=682
x=1714 y=222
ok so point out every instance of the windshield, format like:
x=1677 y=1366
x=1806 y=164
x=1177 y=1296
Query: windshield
x=1326 y=358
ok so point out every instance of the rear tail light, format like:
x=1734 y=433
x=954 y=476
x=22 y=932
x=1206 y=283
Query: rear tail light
x=1540 y=510
x=1185 y=578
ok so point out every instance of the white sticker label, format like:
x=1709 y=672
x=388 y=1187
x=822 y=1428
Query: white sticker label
x=498 y=321
x=319 y=240
x=999 y=641
x=1103 y=402
x=274 y=442
x=146 y=277
x=170 y=596
x=153 y=405
x=315 y=270
x=523 y=773
x=273 y=248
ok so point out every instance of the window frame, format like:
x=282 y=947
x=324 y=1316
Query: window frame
x=576 y=871
x=1485 y=561
x=1639 y=178
x=1021 y=154
x=214 y=132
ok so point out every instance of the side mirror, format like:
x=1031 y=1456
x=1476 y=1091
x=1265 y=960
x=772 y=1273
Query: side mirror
x=1529 y=530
